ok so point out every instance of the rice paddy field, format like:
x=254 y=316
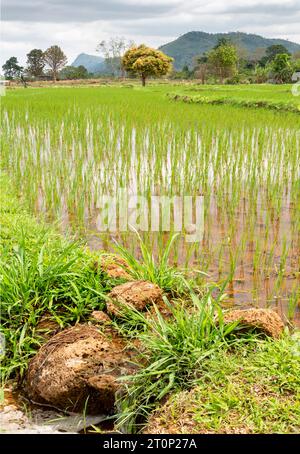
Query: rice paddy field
x=280 y=95
x=65 y=147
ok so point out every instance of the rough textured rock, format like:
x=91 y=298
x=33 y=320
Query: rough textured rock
x=262 y=320
x=78 y=368
x=100 y=317
x=137 y=294
x=114 y=266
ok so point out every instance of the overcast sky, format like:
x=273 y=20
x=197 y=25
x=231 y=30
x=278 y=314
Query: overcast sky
x=78 y=25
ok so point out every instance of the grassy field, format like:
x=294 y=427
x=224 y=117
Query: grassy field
x=255 y=390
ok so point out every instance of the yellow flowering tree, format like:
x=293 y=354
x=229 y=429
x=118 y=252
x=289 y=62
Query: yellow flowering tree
x=145 y=62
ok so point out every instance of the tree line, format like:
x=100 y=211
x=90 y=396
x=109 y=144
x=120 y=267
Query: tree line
x=227 y=62
x=224 y=63
x=48 y=64
x=120 y=57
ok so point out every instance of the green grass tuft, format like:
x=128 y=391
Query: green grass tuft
x=41 y=273
x=174 y=350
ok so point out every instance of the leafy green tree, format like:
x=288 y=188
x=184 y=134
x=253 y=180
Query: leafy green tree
x=35 y=63
x=184 y=74
x=223 y=60
x=276 y=49
x=146 y=62
x=271 y=52
x=296 y=64
x=55 y=59
x=12 y=69
x=296 y=68
x=74 y=72
x=187 y=73
x=282 y=68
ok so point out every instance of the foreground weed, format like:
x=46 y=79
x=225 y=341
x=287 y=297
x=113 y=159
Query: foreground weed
x=173 y=351
x=168 y=278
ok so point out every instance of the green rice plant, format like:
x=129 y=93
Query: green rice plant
x=157 y=271
x=63 y=156
x=293 y=303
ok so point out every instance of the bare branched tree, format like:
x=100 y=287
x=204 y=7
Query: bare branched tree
x=113 y=50
x=55 y=59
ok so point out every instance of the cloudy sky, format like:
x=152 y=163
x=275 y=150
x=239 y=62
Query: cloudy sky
x=78 y=25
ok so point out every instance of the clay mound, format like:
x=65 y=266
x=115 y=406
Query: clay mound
x=264 y=321
x=100 y=317
x=114 y=266
x=136 y=294
x=78 y=369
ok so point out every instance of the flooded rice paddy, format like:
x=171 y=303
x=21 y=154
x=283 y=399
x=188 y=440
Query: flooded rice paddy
x=67 y=148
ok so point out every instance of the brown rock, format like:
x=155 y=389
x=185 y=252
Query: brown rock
x=265 y=321
x=79 y=366
x=100 y=317
x=136 y=294
x=115 y=266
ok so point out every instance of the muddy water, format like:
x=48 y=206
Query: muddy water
x=261 y=262
x=255 y=242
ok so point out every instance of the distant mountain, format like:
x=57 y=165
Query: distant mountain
x=191 y=44
x=92 y=63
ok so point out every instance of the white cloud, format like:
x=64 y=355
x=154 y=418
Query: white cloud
x=78 y=26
